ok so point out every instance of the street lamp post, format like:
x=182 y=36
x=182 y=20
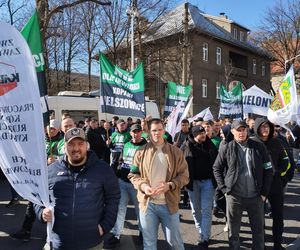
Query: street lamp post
x=132 y=12
x=288 y=60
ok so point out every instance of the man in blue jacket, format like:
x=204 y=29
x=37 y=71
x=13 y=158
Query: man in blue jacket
x=86 y=194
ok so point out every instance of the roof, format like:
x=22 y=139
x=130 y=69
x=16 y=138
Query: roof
x=224 y=18
x=172 y=23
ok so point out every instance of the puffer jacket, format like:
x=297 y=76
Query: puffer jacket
x=82 y=201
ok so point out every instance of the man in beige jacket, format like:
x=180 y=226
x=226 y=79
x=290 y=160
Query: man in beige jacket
x=158 y=172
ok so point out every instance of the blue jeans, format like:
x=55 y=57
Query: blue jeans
x=201 y=199
x=127 y=192
x=150 y=220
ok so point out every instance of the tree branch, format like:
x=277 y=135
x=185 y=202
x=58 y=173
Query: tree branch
x=64 y=6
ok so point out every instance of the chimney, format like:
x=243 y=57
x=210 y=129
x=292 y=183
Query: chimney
x=222 y=14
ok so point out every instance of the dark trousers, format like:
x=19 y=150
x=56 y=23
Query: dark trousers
x=255 y=209
x=29 y=217
x=276 y=200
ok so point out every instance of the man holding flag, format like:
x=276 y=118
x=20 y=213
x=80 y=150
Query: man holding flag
x=86 y=194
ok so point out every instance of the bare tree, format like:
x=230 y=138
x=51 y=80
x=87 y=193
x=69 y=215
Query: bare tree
x=113 y=28
x=15 y=12
x=89 y=18
x=279 y=32
x=47 y=9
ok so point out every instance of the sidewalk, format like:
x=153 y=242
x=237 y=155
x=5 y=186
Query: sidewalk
x=11 y=220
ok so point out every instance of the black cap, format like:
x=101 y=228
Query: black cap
x=198 y=119
x=196 y=130
x=236 y=124
x=136 y=127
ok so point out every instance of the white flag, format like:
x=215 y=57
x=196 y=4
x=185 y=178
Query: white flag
x=256 y=101
x=205 y=114
x=172 y=119
x=284 y=105
x=184 y=115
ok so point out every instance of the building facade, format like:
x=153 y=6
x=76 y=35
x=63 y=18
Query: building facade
x=219 y=52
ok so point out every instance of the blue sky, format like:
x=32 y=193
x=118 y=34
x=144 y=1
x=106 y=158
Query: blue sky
x=246 y=13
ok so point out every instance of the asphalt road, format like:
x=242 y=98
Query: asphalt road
x=11 y=220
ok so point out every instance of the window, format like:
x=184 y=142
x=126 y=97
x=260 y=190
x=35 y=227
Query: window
x=254 y=66
x=219 y=56
x=204 y=88
x=205 y=52
x=242 y=36
x=218 y=86
x=235 y=33
x=263 y=69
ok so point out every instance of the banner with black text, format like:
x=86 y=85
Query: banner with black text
x=22 y=139
x=122 y=92
x=176 y=93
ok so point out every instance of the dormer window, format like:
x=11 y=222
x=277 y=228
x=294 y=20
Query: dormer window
x=235 y=33
x=242 y=36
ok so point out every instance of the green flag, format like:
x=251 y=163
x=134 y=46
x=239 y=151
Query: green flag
x=231 y=103
x=31 y=33
x=122 y=92
x=174 y=94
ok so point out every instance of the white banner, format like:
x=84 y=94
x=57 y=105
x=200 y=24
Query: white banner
x=256 y=101
x=284 y=105
x=172 y=119
x=22 y=140
x=205 y=114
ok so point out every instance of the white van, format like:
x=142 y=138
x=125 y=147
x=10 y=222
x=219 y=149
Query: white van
x=80 y=107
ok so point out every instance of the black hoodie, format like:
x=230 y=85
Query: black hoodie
x=200 y=159
x=278 y=155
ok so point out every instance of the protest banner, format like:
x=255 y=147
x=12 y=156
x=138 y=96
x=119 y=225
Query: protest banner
x=31 y=33
x=22 y=140
x=174 y=94
x=256 y=101
x=231 y=105
x=284 y=104
x=122 y=92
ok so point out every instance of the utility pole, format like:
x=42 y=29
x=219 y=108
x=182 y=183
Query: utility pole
x=133 y=13
x=185 y=44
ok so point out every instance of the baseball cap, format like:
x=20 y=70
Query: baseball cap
x=196 y=130
x=236 y=124
x=74 y=133
x=54 y=124
x=136 y=127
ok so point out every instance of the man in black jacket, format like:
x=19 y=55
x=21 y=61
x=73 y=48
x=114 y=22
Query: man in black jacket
x=264 y=131
x=200 y=154
x=86 y=194
x=95 y=139
x=246 y=183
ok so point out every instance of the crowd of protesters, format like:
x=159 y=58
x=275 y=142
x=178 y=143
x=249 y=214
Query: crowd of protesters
x=220 y=167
